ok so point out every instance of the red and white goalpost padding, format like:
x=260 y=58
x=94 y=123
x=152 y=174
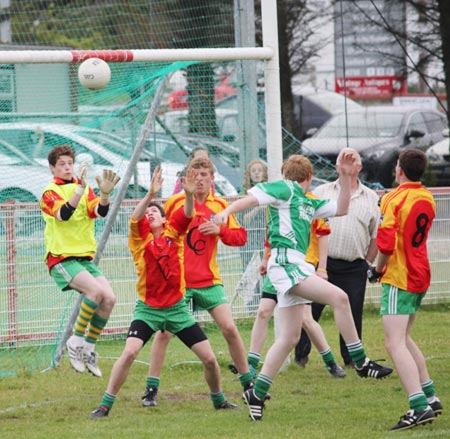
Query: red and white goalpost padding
x=138 y=55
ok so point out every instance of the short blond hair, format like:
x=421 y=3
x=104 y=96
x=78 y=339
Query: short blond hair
x=202 y=163
x=297 y=168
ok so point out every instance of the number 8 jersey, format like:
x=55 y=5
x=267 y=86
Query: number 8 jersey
x=406 y=217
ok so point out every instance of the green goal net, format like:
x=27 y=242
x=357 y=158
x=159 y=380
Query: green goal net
x=218 y=104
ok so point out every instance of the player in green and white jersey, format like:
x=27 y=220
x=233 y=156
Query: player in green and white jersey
x=290 y=213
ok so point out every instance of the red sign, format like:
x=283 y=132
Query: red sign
x=372 y=87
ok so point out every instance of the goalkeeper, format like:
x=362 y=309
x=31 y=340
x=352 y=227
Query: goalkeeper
x=69 y=207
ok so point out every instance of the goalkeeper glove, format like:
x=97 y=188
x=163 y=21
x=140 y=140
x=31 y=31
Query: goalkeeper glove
x=107 y=183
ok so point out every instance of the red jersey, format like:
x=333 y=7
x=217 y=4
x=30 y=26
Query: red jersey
x=159 y=261
x=201 y=268
x=406 y=217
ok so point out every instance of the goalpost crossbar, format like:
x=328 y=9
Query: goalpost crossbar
x=138 y=55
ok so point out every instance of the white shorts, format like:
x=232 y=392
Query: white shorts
x=286 y=268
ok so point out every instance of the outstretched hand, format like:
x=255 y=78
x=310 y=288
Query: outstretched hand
x=82 y=173
x=349 y=164
x=157 y=181
x=189 y=181
x=107 y=182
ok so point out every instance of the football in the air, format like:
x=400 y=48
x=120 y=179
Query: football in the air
x=94 y=73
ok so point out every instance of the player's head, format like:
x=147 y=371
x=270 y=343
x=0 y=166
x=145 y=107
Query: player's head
x=155 y=215
x=59 y=151
x=297 y=168
x=413 y=163
x=204 y=171
x=61 y=160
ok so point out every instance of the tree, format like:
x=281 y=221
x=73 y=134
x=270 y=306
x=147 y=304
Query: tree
x=298 y=46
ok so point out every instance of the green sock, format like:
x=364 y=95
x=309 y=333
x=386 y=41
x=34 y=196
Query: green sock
x=87 y=309
x=245 y=379
x=153 y=382
x=253 y=359
x=217 y=399
x=108 y=400
x=418 y=401
x=95 y=328
x=428 y=389
x=357 y=353
x=327 y=356
x=262 y=386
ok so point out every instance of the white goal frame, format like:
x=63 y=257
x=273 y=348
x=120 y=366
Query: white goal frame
x=268 y=53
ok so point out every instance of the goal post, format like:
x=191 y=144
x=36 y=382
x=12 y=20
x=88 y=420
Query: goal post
x=146 y=91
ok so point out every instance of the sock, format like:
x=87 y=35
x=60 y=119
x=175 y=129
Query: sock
x=253 y=363
x=245 y=379
x=153 y=382
x=327 y=356
x=217 y=399
x=95 y=327
x=418 y=401
x=108 y=400
x=428 y=389
x=357 y=353
x=89 y=347
x=87 y=309
x=253 y=359
x=78 y=341
x=262 y=386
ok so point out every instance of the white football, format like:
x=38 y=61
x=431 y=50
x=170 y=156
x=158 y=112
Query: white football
x=94 y=73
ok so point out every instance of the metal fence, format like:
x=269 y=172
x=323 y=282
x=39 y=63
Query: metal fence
x=33 y=311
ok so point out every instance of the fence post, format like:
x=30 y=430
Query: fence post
x=11 y=271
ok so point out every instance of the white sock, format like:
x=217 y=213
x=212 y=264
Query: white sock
x=89 y=347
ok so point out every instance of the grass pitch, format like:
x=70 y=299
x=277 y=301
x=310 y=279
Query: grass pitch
x=306 y=403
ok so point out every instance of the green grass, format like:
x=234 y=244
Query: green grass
x=306 y=403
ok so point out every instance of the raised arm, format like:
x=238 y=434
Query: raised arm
x=155 y=186
x=189 y=188
x=236 y=206
x=348 y=170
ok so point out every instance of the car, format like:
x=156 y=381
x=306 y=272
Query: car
x=224 y=155
x=177 y=122
x=22 y=180
x=313 y=107
x=438 y=156
x=378 y=133
x=172 y=154
x=36 y=139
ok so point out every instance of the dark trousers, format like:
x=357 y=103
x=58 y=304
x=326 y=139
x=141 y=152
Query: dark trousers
x=350 y=277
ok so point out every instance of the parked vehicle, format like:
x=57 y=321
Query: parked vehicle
x=21 y=180
x=172 y=154
x=37 y=139
x=438 y=157
x=313 y=107
x=378 y=133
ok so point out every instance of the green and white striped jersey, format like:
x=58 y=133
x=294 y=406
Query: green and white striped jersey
x=290 y=213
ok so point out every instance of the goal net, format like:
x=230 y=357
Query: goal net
x=203 y=90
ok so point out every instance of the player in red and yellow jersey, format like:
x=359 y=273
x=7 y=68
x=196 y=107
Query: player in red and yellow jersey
x=158 y=253
x=69 y=207
x=403 y=268
x=203 y=281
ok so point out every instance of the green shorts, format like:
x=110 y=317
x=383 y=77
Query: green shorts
x=395 y=301
x=173 y=319
x=204 y=299
x=66 y=270
x=267 y=287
